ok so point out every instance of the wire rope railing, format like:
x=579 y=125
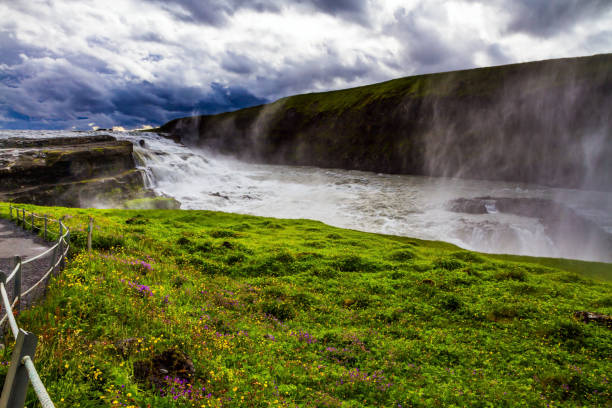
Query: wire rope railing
x=22 y=371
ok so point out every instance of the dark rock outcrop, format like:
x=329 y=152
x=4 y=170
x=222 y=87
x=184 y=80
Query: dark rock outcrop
x=69 y=171
x=543 y=122
x=588 y=317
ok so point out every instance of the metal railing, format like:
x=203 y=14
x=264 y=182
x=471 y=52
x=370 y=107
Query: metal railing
x=22 y=370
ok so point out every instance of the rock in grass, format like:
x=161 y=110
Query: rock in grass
x=588 y=317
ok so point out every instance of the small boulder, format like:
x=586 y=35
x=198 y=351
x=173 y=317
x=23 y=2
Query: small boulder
x=218 y=194
x=588 y=317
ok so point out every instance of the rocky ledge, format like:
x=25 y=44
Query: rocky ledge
x=92 y=171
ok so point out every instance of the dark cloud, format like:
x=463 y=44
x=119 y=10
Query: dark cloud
x=153 y=103
x=148 y=36
x=61 y=95
x=90 y=63
x=351 y=10
x=12 y=49
x=544 y=18
x=50 y=90
x=338 y=6
x=423 y=48
x=497 y=55
x=216 y=12
x=601 y=40
x=323 y=71
x=237 y=63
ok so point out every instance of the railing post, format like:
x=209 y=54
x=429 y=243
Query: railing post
x=53 y=259
x=4 y=329
x=32 y=218
x=17 y=283
x=10 y=211
x=45 y=231
x=17 y=380
x=60 y=245
x=23 y=224
x=64 y=248
x=89 y=230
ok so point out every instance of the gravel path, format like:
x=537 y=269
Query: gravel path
x=16 y=241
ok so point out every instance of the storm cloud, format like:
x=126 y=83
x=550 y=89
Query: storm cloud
x=67 y=64
x=544 y=18
x=218 y=12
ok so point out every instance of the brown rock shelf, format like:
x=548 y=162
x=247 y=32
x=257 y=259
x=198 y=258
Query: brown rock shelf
x=69 y=171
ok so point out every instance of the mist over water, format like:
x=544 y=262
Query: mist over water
x=548 y=125
x=412 y=206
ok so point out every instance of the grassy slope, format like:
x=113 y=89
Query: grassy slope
x=469 y=82
x=294 y=312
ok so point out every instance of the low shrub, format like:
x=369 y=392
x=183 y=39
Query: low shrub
x=515 y=273
x=354 y=263
x=449 y=264
x=280 y=310
x=401 y=255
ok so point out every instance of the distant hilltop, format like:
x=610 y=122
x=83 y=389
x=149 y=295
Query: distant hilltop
x=545 y=122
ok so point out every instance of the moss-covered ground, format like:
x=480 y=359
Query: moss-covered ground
x=297 y=313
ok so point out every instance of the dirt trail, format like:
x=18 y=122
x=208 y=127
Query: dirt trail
x=16 y=241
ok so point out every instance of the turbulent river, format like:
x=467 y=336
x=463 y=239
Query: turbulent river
x=486 y=216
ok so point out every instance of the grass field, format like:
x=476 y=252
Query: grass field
x=296 y=313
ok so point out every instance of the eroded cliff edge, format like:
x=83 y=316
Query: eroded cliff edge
x=545 y=122
x=92 y=171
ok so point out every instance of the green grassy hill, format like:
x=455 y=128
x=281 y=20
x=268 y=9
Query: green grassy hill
x=490 y=123
x=292 y=313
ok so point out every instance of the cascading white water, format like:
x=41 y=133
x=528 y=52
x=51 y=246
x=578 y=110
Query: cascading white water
x=391 y=204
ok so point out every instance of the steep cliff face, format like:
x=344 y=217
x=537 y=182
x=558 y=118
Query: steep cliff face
x=69 y=171
x=544 y=122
